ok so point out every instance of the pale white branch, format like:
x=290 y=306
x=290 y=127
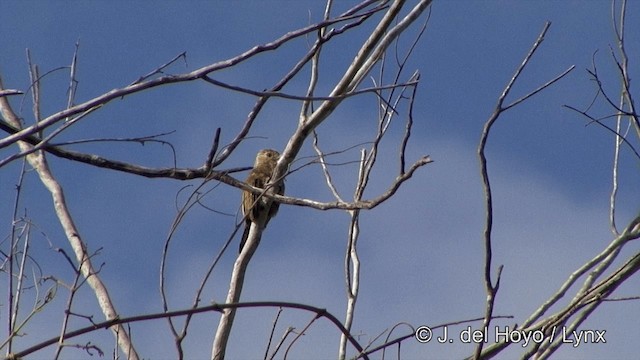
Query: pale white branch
x=39 y=163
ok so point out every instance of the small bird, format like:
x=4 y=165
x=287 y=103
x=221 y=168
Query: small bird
x=254 y=206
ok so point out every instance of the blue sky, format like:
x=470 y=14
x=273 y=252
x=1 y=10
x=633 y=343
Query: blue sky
x=421 y=251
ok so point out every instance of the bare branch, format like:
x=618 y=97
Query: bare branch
x=223 y=331
x=38 y=161
x=273 y=329
x=585 y=299
x=173 y=79
x=368 y=55
x=320 y=313
x=542 y=87
x=413 y=334
x=160 y=69
x=307 y=98
x=9 y=92
x=619 y=136
x=12 y=312
x=288 y=331
x=362 y=204
x=352 y=259
x=490 y=287
x=325 y=168
x=300 y=334
x=73 y=83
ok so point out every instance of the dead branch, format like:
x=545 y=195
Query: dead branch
x=491 y=287
x=38 y=161
x=320 y=313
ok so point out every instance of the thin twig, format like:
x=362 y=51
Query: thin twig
x=490 y=287
x=320 y=313
x=73 y=83
x=273 y=329
x=306 y=98
x=173 y=79
x=39 y=163
x=283 y=338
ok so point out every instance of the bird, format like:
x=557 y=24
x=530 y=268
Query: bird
x=254 y=206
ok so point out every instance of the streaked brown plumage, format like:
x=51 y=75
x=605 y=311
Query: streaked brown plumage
x=254 y=206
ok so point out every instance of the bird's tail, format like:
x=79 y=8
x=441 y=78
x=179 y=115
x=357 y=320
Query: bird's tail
x=245 y=235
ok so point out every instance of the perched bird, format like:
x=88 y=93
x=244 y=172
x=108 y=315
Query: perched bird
x=254 y=206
